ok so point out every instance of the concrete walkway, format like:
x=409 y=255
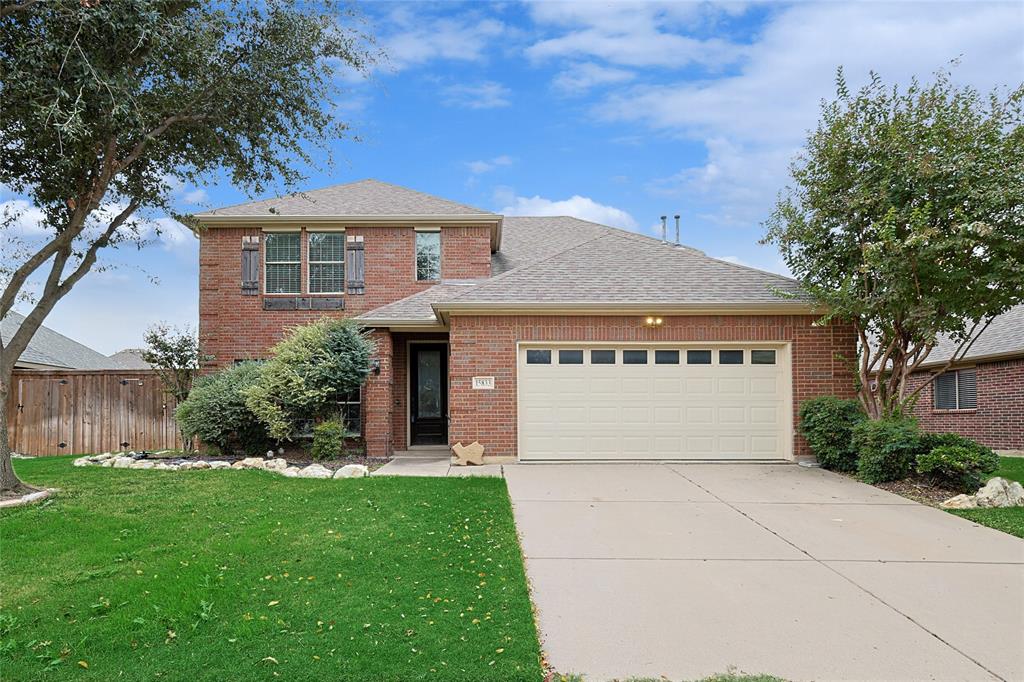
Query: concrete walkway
x=685 y=570
x=433 y=466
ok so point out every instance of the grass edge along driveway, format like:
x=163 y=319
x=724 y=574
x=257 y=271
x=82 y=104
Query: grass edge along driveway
x=215 y=575
x=1007 y=519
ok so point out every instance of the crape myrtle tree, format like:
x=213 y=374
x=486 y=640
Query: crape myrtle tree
x=906 y=216
x=108 y=104
x=175 y=355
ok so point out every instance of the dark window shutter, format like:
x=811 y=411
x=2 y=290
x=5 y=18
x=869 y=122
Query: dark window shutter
x=944 y=390
x=250 y=266
x=967 y=389
x=355 y=266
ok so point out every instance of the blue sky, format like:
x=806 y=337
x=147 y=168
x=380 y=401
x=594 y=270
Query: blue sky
x=613 y=112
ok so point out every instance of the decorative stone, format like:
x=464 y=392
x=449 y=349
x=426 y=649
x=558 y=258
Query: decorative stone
x=249 y=463
x=1000 y=492
x=291 y=472
x=108 y=462
x=270 y=454
x=123 y=462
x=142 y=464
x=277 y=464
x=185 y=466
x=102 y=458
x=81 y=462
x=315 y=471
x=220 y=465
x=200 y=464
x=960 y=502
x=352 y=471
x=164 y=466
x=468 y=454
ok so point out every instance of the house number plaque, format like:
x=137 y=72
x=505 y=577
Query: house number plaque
x=483 y=383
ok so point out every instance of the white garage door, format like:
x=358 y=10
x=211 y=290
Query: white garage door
x=654 y=402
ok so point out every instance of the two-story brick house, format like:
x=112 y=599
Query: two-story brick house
x=543 y=338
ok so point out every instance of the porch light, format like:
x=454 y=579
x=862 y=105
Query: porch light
x=375 y=365
x=653 y=321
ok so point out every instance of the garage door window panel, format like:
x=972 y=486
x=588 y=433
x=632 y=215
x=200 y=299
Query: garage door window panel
x=730 y=357
x=762 y=357
x=634 y=357
x=538 y=357
x=698 y=357
x=666 y=357
x=570 y=357
x=602 y=357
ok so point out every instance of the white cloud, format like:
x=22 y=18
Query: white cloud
x=753 y=122
x=486 y=166
x=579 y=78
x=413 y=38
x=195 y=197
x=632 y=34
x=577 y=206
x=485 y=95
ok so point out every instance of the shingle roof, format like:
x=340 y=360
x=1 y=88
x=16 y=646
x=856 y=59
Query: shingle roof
x=1004 y=337
x=361 y=198
x=129 y=358
x=622 y=267
x=52 y=349
x=566 y=260
x=418 y=307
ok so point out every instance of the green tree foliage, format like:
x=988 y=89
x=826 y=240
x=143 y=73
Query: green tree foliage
x=906 y=216
x=108 y=104
x=309 y=369
x=216 y=413
x=175 y=355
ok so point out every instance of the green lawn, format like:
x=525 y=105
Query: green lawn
x=1009 y=520
x=217 y=575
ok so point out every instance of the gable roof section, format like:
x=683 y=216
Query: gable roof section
x=417 y=309
x=1004 y=338
x=625 y=269
x=52 y=349
x=361 y=198
x=527 y=240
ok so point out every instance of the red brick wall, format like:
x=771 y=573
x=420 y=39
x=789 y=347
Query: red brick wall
x=486 y=346
x=233 y=326
x=998 y=421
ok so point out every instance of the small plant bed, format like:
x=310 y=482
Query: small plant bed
x=241 y=575
x=919 y=489
x=1010 y=519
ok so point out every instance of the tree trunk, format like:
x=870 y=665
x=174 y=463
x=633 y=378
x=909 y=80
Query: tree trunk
x=8 y=479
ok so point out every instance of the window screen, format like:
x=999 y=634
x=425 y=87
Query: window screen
x=634 y=357
x=570 y=357
x=698 y=357
x=326 y=262
x=666 y=357
x=762 y=357
x=283 y=262
x=730 y=357
x=428 y=256
x=538 y=357
x=602 y=357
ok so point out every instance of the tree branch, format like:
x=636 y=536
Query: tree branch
x=16 y=7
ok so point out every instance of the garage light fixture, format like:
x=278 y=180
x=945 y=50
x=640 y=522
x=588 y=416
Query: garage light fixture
x=652 y=321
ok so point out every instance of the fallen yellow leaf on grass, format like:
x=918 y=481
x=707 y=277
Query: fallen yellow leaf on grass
x=274 y=603
x=83 y=664
x=269 y=659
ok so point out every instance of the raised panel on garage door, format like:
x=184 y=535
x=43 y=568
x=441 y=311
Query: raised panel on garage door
x=629 y=402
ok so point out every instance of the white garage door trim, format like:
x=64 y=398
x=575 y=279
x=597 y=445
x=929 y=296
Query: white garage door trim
x=783 y=368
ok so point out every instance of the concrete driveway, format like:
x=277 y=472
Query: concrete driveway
x=685 y=570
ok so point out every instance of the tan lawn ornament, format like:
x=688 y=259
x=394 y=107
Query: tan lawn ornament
x=468 y=454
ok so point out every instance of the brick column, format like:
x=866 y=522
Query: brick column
x=379 y=399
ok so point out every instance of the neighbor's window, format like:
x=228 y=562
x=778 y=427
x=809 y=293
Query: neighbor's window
x=283 y=262
x=956 y=390
x=428 y=256
x=326 y=262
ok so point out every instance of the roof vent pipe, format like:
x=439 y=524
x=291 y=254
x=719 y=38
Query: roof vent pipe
x=664 y=227
x=677 y=229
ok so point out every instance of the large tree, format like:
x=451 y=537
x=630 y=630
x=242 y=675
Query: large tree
x=107 y=104
x=906 y=216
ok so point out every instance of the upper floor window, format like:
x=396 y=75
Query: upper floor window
x=428 y=256
x=326 y=262
x=283 y=262
x=956 y=390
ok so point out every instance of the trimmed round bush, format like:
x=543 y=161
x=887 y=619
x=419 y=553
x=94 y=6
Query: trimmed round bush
x=328 y=440
x=887 y=449
x=216 y=413
x=961 y=464
x=826 y=423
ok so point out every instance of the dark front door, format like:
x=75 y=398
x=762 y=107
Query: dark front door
x=428 y=386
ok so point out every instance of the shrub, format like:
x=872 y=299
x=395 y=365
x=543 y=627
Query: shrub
x=311 y=366
x=328 y=440
x=216 y=412
x=887 y=448
x=960 y=463
x=826 y=423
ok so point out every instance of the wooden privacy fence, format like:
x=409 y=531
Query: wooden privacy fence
x=60 y=412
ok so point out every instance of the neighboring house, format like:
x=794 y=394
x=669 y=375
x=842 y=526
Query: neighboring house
x=981 y=396
x=51 y=350
x=129 y=358
x=545 y=338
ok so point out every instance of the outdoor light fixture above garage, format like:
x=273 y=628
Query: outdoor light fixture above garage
x=653 y=321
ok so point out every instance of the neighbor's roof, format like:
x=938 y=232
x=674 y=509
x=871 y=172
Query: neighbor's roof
x=560 y=260
x=50 y=349
x=361 y=198
x=129 y=358
x=1003 y=338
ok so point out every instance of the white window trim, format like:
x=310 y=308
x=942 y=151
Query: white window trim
x=310 y=263
x=266 y=280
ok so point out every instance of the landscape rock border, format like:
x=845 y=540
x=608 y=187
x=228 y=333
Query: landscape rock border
x=275 y=465
x=28 y=498
x=998 y=492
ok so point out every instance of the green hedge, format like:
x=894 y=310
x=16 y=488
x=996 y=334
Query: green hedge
x=827 y=423
x=888 y=449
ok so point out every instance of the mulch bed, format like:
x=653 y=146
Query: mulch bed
x=919 y=490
